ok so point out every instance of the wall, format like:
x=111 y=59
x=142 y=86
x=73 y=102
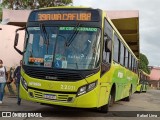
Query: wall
x=7 y=53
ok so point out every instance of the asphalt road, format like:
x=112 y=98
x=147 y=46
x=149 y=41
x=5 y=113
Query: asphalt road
x=142 y=106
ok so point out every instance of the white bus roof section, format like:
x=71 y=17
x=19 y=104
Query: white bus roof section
x=127 y=23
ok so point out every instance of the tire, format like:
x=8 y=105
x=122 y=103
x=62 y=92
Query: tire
x=128 y=98
x=105 y=108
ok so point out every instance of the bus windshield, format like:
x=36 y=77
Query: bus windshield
x=49 y=48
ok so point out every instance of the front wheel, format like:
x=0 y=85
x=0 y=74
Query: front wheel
x=105 y=108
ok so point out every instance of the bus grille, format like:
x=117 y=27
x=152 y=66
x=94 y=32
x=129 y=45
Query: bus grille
x=59 y=98
x=51 y=74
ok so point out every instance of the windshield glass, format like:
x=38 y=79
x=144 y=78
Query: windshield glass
x=83 y=51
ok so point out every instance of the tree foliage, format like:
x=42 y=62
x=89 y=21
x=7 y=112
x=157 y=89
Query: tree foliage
x=0 y=12
x=143 y=64
x=33 y=4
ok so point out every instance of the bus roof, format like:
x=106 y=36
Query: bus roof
x=69 y=7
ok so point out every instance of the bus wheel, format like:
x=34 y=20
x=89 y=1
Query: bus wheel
x=111 y=100
x=105 y=108
x=129 y=97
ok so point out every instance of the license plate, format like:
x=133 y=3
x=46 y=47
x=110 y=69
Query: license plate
x=51 y=97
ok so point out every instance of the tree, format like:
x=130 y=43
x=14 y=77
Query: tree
x=143 y=63
x=0 y=13
x=33 y=4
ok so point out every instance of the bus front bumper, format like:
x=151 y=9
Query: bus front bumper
x=88 y=100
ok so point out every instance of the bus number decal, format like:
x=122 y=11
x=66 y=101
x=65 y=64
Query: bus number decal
x=68 y=87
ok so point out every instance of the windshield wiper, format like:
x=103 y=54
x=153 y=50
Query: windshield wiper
x=45 y=35
x=72 y=36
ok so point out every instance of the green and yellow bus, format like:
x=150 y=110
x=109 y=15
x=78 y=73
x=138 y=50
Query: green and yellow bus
x=75 y=57
x=143 y=82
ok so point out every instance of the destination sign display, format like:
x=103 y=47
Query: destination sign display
x=65 y=15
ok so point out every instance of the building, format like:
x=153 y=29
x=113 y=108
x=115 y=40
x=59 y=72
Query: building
x=154 y=81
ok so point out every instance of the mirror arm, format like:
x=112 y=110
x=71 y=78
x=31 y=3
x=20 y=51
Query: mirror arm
x=20 y=52
x=20 y=29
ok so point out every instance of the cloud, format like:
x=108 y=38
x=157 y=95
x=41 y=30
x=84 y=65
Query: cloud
x=149 y=22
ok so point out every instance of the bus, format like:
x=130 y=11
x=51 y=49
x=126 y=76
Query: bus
x=143 y=82
x=75 y=57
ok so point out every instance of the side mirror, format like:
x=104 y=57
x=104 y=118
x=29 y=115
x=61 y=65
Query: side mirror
x=108 y=45
x=16 y=39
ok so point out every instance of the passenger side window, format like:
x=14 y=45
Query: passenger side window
x=130 y=61
x=108 y=33
x=126 y=58
x=116 y=49
x=122 y=54
x=136 y=66
x=133 y=60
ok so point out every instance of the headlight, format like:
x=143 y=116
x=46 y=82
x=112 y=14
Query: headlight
x=84 y=89
x=92 y=86
x=24 y=83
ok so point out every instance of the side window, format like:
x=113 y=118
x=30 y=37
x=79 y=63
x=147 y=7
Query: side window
x=126 y=58
x=136 y=66
x=107 y=36
x=133 y=60
x=130 y=61
x=108 y=33
x=122 y=54
x=108 y=29
x=116 y=49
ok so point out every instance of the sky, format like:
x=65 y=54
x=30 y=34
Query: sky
x=149 y=22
